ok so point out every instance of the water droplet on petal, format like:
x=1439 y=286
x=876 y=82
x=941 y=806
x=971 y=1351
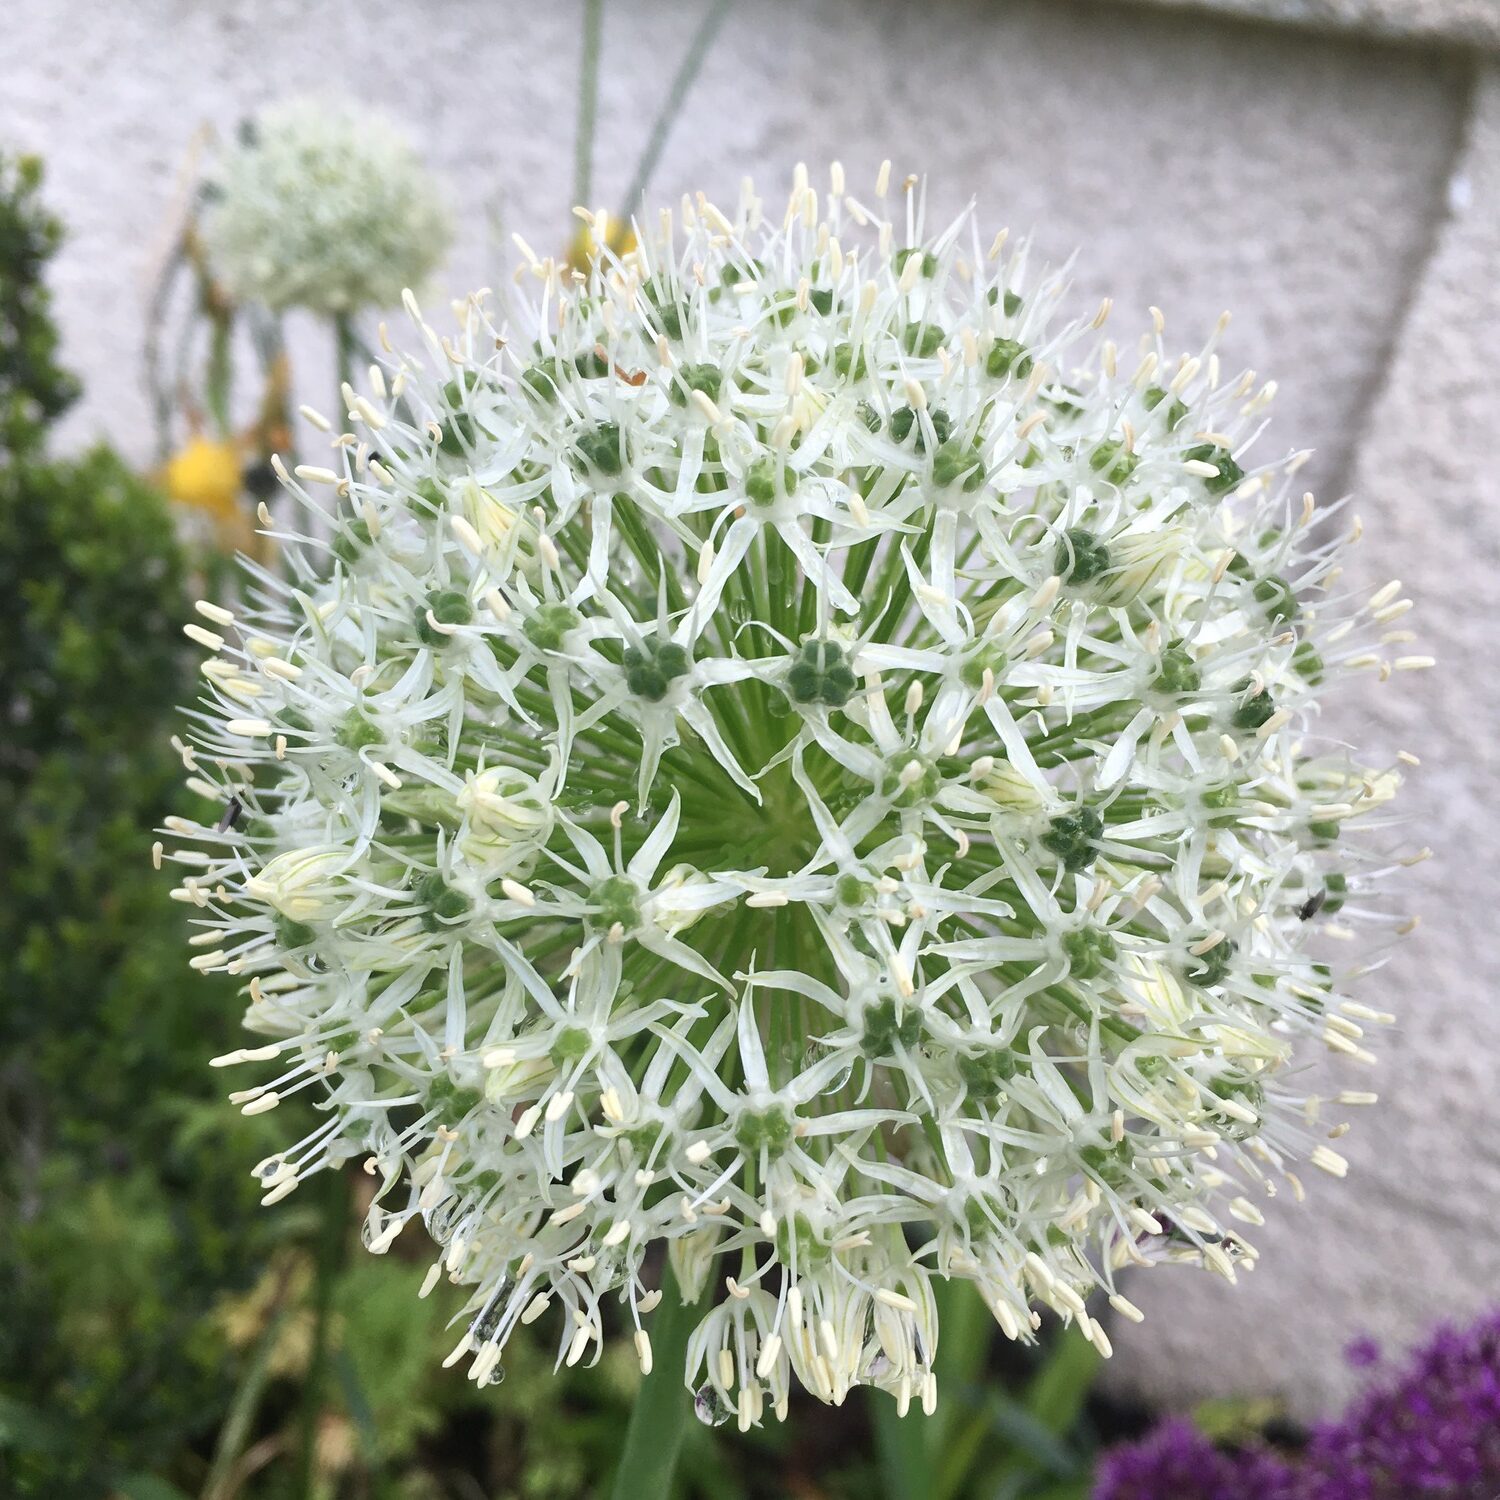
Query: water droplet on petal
x=709 y=1406
x=816 y=1052
x=495 y=1376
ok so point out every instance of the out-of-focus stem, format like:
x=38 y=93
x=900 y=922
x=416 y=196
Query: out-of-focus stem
x=659 y=1421
x=330 y=1259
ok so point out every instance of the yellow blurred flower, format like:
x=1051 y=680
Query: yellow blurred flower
x=618 y=237
x=206 y=475
x=283 y=1291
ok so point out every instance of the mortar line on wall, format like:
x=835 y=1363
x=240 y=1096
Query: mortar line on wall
x=1378 y=382
x=1362 y=20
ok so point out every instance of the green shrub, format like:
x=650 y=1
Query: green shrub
x=33 y=389
x=97 y=1002
x=121 y=1228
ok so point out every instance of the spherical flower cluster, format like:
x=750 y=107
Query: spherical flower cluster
x=1431 y=1429
x=780 y=747
x=326 y=209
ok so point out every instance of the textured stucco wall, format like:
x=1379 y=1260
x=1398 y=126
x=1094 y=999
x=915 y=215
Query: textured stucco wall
x=1409 y=1237
x=1197 y=163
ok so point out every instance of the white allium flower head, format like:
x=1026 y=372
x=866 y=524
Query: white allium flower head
x=322 y=207
x=788 y=745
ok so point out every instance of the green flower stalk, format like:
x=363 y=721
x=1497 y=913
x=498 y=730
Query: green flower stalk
x=780 y=746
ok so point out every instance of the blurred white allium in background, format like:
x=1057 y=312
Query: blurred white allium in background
x=322 y=207
x=792 y=751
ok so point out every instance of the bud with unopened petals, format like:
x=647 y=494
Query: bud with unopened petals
x=304 y=885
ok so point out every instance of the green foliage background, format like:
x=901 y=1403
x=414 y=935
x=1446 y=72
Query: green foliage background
x=119 y=1232
x=33 y=386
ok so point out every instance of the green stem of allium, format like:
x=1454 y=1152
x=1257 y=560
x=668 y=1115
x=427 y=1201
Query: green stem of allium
x=856 y=566
x=729 y=713
x=648 y=553
x=330 y=1257
x=235 y=1432
x=968 y=1331
x=961 y=1447
x=659 y=1419
x=895 y=579
x=588 y=102
x=156 y=318
x=898 y=1442
x=220 y=370
x=345 y=348
x=807 y=614
x=661 y=127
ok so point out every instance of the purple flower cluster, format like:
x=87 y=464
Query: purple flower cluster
x=1176 y=1462
x=1431 y=1431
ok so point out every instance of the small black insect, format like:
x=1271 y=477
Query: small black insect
x=1312 y=906
x=230 y=816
